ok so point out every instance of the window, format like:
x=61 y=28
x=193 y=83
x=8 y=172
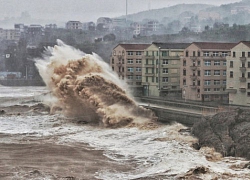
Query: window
x=248 y=64
x=153 y=79
x=184 y=72
x=138 y=77
x=164 y=53
x=248 y=74
x=207 y=63
x=231 y=74
x=165 y=62
x=123 y=52
x=243 y=54
x=207 y=82
x=113 y=61
x=224 y=54
x=198 y=83
x=153 y=53
x=122 y=61
x=206 y=53
x=224 y=82
x=138 y=69
x=165 y=79
x=206 y=89
x=216 y=72
x=215 y=53
x=156 y=79
x=231 y=64
x=216 y=89
x=165 y=70
x=186 y=53
x=224 y=72
x=248 y=85
x=130 y=61
x=243 y=65
x=207 y=72
x=224 y=63
x=198 y=73
x=248 y=54
x=198 y=63
x=146 y=78
x=138 y=53
x=114 y=53
x=184 y=63
x=193 y=62
x=184 y=82
x=113 y=68
x=216 y=82
x=248 y=93
x=130 y=53
x=130 y=69
x=233 y=54
x=129 y=77
x=217 y=63
x=199 y=53
x=122 y=69
x=193 y=53
x=138 y=61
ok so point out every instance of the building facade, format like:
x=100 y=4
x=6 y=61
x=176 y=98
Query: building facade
x=161 y=69
x=238 y=74
x=126 y=61
x=204 y=71
x=73 y=25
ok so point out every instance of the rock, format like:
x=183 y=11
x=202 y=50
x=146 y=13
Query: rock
x=227 y=132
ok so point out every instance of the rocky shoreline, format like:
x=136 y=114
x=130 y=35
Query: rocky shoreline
x=227 y=132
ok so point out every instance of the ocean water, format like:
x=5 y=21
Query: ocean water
x=162 y=152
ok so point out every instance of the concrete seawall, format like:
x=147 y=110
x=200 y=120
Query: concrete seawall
x=21 y=82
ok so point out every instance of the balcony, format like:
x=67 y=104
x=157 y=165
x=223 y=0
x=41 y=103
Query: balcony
x=243 y=69
x=243 y=59
x=193 y=57
x=193 y=67
x=149 y=74
x=242 y=89
x=242 y=79
x=149 y=57
x=119 y=64
x=193 y=77
x=120 y=57
x=149 y=65
x=231 y=90
x=193 y=86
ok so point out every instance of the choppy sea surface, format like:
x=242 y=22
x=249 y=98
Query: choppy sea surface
x=161 y=153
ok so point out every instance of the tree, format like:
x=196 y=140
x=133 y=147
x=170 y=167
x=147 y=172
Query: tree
x=109 y=37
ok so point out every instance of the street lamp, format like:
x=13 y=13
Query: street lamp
x=159 y=71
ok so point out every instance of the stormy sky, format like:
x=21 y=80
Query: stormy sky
x=87 y=10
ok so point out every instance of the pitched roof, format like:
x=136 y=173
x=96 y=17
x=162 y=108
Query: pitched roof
x=247 y=43
x=215 y=45
x=171 y=45
x=134 y=46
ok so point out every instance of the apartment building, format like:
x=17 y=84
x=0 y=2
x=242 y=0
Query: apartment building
x=161 y=69
x=126 y=61
x=204 y=71
x=238 y=74
x=73 y=25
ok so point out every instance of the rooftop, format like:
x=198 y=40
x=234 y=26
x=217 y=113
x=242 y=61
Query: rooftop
x=134 y=46
x=171 y=45
x=215 y=45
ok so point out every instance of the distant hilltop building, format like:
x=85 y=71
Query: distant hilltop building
x=88 y=26
x=51 y=26
x=73 y=25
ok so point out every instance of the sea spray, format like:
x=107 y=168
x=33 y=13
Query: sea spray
x=86 y=88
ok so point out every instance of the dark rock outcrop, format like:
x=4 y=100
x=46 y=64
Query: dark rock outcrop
x=227 y=132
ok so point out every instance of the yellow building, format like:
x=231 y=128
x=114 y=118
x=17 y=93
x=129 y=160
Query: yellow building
x=238 y=74
x=161 y=69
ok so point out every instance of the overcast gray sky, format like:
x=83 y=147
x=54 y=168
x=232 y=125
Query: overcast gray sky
x=87 y=10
